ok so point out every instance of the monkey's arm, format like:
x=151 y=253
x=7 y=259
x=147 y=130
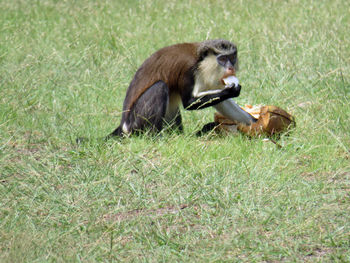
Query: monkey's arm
x=210 y=98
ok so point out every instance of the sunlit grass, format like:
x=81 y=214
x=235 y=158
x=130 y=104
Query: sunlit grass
x=64 y=70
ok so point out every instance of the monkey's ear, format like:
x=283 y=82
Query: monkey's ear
x=204 y=53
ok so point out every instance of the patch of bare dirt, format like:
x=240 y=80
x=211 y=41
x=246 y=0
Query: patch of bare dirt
x=317 y=253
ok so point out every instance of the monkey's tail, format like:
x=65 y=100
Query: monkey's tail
x=116 y=133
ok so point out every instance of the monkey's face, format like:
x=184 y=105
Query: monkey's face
x=228 y=62
x=214 y=68
x=218 y=60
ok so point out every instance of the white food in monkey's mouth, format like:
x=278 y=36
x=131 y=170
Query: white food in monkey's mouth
x=231 y=81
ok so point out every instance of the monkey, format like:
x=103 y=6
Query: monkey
x=190 y=74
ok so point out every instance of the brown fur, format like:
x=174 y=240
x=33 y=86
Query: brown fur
x=169 y=64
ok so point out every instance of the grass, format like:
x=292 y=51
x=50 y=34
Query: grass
x=64 y=70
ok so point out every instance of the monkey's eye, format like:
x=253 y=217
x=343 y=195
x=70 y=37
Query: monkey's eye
x=222 y=59
x=232 y=58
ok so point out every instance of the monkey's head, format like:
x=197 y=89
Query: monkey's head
x=218 y=60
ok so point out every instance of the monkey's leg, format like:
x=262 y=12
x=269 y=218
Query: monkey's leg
x=173 y=120
x=178 y=122
x=148 y=111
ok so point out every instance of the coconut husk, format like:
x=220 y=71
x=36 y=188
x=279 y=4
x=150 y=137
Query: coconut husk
x=271 y=120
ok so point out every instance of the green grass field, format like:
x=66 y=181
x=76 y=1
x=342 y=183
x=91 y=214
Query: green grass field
x=64 y=70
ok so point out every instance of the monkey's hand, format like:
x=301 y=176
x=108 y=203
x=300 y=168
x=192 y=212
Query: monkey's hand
x=212 y=98
x=233 y=91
